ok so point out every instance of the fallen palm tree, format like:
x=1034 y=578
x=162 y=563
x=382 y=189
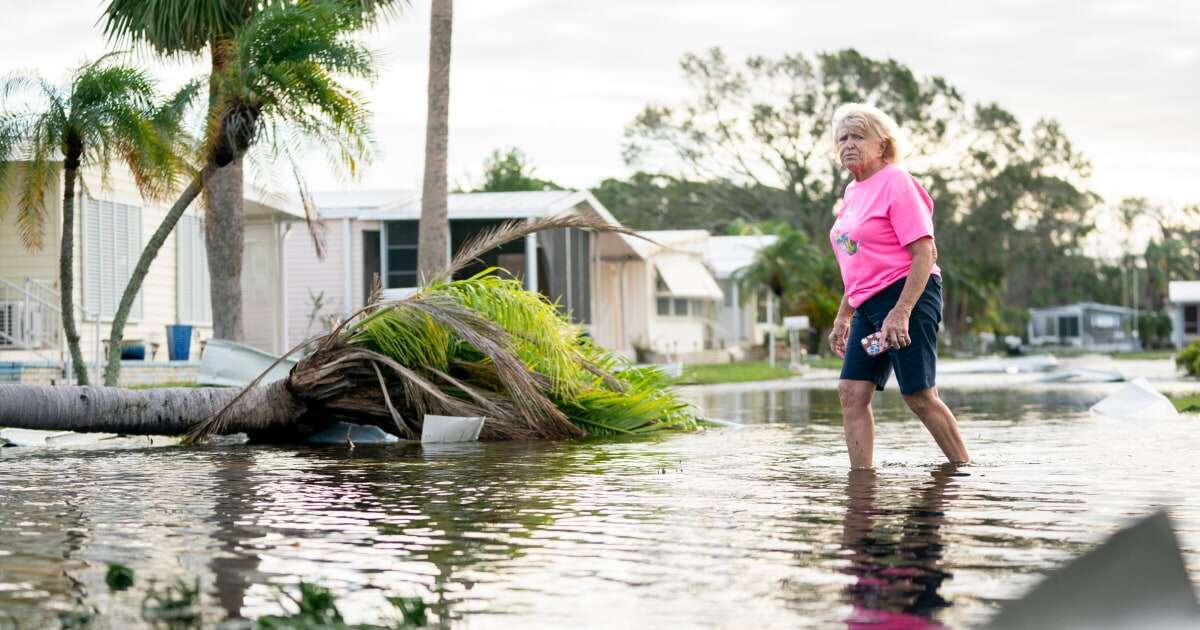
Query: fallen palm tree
x=482 y=346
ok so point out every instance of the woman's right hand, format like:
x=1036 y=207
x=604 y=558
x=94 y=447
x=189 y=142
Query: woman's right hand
x=838 y=337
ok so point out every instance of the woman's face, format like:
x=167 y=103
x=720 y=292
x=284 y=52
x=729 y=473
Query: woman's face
x=858 y=149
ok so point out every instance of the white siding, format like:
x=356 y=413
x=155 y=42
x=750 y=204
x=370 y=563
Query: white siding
x=306 y=273
x=193 y=286
x=158 y=301
x=260 y=308
x=158 y=290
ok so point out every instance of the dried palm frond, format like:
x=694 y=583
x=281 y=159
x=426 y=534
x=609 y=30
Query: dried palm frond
x=491 y=238
x=482 y=346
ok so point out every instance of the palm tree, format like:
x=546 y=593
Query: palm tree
x=433 y=242
x=105 y=110
x=189 y=27
x=277 y=88
x=483 y=346
x=802 y=275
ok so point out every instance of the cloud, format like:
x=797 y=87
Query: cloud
x=561 y=79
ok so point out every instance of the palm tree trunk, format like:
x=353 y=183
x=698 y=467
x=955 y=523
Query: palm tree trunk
x=224 y=223
x=224 y=240
x=66 y=268
x=149 y=253
x=433 y=250
x=166 y=411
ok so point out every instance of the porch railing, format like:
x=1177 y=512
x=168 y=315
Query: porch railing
x=30 y=318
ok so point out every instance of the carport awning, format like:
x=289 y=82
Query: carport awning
x=685 y=277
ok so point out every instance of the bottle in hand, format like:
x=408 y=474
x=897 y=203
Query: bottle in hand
x=875 y=344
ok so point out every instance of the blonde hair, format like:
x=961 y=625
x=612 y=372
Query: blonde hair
x=875 y=121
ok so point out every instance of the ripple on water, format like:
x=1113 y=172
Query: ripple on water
x=760 y=525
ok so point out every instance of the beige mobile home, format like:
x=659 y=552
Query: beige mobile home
x=372 y=235
x=112 y=225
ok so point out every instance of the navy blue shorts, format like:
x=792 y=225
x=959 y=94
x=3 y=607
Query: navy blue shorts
x=915 y=364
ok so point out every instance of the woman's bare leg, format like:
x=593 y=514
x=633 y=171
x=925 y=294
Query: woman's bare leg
x=858 y=422
x=940 y=422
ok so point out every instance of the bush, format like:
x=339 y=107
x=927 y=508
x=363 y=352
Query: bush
x=1189 y=358
x=1154 y=329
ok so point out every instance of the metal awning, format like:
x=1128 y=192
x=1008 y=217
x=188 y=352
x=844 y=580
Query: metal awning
x=687 y=277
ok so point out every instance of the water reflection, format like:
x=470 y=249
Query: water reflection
x=897 y=565
x=753 y=527
x=372 y=523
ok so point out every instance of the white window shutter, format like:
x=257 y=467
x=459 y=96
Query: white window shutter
x=194 y=302
x=133 y=217
x=203 y=294
x=91 y=257
x=112 y=243
x=183 y=269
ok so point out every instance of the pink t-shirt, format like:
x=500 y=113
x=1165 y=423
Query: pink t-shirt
x=879 y=218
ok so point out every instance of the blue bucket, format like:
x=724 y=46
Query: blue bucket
x=179 y=341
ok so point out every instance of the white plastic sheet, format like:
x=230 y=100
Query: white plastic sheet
x=1136 y=400
x=444 y=429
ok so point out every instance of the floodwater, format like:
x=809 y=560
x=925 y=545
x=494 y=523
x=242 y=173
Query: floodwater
x=756 y=527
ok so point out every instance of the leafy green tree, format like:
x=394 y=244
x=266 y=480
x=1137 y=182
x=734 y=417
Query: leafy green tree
x=800 y=274
x=511 y=171
x=649 y=201
x=308 y=97
x=1013 y=211
x=765 y=126
x=276 y=87
x=105 y=112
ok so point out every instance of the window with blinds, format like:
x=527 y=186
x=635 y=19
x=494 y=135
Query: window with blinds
x=112 y=242
x=193 y=293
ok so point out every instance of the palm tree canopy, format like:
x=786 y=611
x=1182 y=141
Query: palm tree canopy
x=105 y=110
x=186 y=27
x=282 y=82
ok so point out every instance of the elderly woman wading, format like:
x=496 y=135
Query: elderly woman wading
x=883 y=240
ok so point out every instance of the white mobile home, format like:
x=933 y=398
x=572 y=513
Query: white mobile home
x=1183 y=299
x=1086 y=325
x=740 y=318
x=681 y=296
x=372 y=235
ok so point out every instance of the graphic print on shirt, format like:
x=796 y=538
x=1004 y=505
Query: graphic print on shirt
x=843 y=229
x=848 y=245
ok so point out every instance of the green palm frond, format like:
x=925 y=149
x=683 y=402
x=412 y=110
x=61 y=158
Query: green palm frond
x=483 y=346
x=285 y=65
x=106 y=111
x=543 y=339
x=172 y=27
x=505 y=350
x=13 y=131
x=185 y=27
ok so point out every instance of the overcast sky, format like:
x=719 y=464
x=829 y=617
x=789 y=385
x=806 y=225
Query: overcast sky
x=561 y=78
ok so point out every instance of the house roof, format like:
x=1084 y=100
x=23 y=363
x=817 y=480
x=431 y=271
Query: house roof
x=1112 y=308
x=402 y=205
x=337 y=203
x=686 y=276
x=280 y=204
x=1183 y=291
x=398 y=205
x=678 y=240
x=729 y=254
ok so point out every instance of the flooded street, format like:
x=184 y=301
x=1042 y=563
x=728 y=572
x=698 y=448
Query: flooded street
x=755 y=527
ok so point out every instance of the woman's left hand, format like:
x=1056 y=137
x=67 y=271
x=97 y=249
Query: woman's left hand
x=895 y=328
